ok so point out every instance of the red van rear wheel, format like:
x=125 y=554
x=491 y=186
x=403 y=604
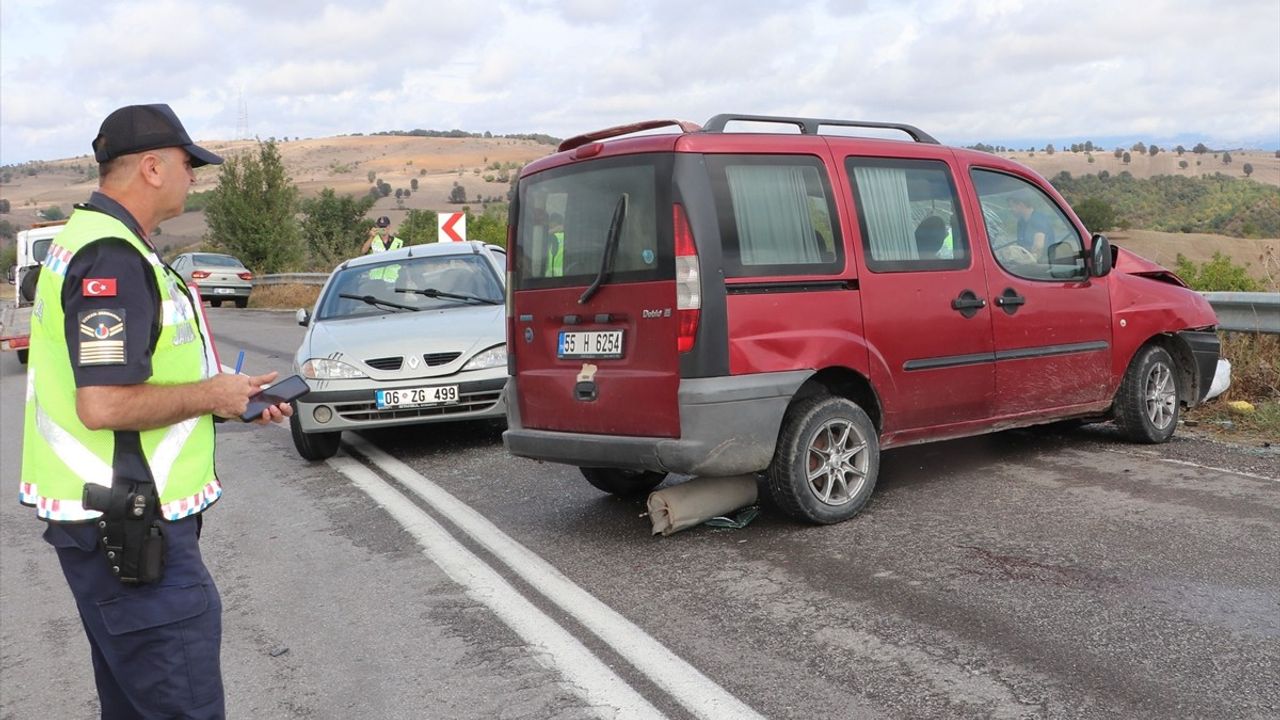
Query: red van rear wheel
x=827 y=460
x=617 y=481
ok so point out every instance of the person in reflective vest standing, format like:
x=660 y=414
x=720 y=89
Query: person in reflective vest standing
x=381 y=239
x=117 y=455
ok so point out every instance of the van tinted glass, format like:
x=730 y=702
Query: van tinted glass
x=564 y=220
x=775 y=215
x=909 y=215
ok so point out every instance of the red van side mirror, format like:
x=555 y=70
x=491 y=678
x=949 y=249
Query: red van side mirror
x=1099 y=255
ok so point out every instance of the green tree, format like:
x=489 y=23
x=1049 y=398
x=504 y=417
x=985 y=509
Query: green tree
x=8 y=231
x=1182 y=164
x=458 y=194
x=419 y=227
x=252 y=211
x=1217 y=275
x=1139 y=147
x=1248 y=169
x=4 y=207
x=1200 y=149
x=334 y=226
x=1097 y=214
x=413 y=184
x=371 y=175
x=53 y=212
x=1125 y=158
x=1179 y=150
x=1153 y=150
x=489 y=226
x=1226 y=158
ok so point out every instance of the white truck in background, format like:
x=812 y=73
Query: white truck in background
x=15 y=318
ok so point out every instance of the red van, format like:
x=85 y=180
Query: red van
x=709 y=302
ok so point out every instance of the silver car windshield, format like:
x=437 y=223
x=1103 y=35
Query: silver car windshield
x=408 y=284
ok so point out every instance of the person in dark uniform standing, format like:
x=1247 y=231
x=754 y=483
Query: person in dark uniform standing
x=122 y=389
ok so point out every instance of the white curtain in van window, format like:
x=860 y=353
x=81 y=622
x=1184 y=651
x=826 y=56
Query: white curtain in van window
x=886 y=207
x=771 y=207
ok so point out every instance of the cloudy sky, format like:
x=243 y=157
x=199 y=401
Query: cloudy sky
x=1015 y=72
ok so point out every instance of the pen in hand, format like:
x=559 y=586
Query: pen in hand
x=239 y=362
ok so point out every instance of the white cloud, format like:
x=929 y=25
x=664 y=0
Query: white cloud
x=976 y=70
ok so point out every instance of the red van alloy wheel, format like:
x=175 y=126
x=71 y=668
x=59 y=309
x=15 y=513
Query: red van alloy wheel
x=827 y=460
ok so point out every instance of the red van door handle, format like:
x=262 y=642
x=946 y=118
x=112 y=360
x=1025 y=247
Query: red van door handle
x=1010 y=301
x=968 y=303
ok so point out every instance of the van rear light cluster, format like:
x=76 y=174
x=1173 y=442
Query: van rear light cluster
x=688 y=281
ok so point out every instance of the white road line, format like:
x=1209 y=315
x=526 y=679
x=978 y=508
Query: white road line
x=1188 y=463
x=609 y=695
x=685 y=683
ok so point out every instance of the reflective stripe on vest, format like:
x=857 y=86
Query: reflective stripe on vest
x=60 y=454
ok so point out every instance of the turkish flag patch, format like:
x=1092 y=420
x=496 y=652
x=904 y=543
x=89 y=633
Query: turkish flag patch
x=99 y=287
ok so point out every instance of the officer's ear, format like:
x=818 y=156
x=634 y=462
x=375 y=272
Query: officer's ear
x=150 y=170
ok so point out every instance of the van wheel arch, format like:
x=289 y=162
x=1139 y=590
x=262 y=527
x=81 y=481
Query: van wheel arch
x=846 y=383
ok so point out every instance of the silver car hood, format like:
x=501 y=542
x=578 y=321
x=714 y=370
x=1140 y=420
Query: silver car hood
x=462 y=330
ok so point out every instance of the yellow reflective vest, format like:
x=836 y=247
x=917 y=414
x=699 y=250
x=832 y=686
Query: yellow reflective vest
x=60 y=454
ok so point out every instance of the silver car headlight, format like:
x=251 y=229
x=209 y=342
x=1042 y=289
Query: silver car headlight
x=327 y=369
x=495 y=356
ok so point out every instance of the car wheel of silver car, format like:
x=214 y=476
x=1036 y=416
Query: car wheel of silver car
x=826 y=462
x=242 y=302
x=621 y=482
x=215 y=303
x=313 y=446
x=1146 y=406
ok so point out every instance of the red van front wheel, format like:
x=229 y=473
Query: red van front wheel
x=1146 y=405
x=617 y=481
x=827 y=460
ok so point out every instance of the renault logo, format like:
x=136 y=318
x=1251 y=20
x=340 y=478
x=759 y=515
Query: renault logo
x=413 y=362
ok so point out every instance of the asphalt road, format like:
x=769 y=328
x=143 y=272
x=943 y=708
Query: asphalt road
x=424 y=573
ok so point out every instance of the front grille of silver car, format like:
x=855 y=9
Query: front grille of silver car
x=386 y=363
x=434 y=359
x=467 y=403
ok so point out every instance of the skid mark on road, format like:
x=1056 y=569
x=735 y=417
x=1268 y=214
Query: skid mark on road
x=1188 y=463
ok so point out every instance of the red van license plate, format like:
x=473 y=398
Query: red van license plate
x=589 y=344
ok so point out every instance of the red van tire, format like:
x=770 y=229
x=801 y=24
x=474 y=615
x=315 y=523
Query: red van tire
x=1147 y=405
x=824 y=431
x=313 y=446
x=623 y=483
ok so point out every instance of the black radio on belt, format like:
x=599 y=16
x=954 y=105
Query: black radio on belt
x=130 y=529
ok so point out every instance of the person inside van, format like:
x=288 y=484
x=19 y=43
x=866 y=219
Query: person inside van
x=1034 y=229
x=933 y=238
x=555 y=246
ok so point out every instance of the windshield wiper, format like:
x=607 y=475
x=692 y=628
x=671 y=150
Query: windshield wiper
x=434 y=293
x=375 y=301
x=610 y=245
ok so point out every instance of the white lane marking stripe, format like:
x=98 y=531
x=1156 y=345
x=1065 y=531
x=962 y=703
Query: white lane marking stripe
x=1171 y=461
x=695 y=691
x=583 y=671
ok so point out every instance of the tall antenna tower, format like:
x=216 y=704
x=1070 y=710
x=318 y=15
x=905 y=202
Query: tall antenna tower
x=242 y=119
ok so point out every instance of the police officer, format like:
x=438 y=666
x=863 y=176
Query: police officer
x=381 y=239
x=122 y=388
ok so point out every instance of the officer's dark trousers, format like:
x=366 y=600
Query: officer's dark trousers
x=155 y=647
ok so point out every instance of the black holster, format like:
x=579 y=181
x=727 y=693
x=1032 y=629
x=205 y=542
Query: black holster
x=130 y=528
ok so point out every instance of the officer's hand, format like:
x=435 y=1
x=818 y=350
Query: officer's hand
x=230 y=392
x=275 y=413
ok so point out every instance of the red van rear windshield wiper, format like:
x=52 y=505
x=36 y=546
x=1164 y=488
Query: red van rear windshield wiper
x=610 y=246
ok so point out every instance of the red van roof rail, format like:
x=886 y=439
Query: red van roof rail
x=809 y=126
x=580 y=140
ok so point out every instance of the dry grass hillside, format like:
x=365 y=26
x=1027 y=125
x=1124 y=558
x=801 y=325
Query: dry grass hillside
x=343 y=163
x=1266 y=166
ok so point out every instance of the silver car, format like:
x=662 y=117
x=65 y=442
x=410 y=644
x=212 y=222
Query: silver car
x=415 y=335
x=219 y=277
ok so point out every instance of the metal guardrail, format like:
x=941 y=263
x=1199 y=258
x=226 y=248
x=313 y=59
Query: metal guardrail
x=291 y=279
x=1256 y=312
x=1237 y=311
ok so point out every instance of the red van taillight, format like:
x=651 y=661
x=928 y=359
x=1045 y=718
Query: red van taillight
x=688 y=280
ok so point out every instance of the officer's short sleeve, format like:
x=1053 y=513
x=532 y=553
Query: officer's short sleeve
x=110 y=300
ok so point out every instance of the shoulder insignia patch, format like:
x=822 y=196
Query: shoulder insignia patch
x=101 y=337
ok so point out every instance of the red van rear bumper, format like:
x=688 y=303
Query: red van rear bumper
x=728 y=426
